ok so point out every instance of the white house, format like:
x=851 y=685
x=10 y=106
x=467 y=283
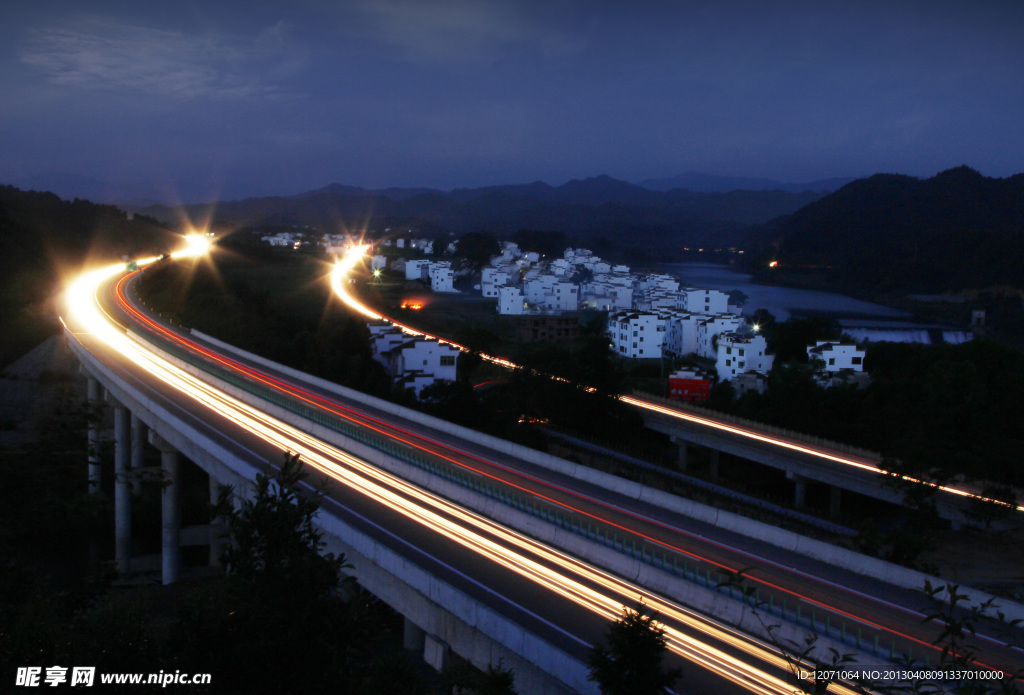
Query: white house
x=383 y=337
x=636 y=334
x=419 y=362
x=511 y=300
x=702 y=301
x=709 y=327
x=566 y=297
x=378 y=262
x=739 y=353
x=560 y=266
x=835 y=357
x=538 y=288
x=417 y=269
x=492 y=278
x=442 y=277
x=657 y=281
x=681 y=332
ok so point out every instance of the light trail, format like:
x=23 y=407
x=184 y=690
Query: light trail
x=344 y=266
x=441 y=451
x=590 y=588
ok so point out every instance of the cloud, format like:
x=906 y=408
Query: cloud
x=467 y=30
x=96 y=54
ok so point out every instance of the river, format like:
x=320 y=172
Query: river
x=862 y=320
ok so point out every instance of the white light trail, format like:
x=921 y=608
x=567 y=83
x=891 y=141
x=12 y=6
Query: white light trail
x=573 y=580
x=340 y=275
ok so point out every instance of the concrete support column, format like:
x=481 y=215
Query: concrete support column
x=713 y=466
x=122 y=491
x=93 y=397
x=218 y=528
x=138 y=452
x=413 y=637
x=682 y=452
x=799 y=490
x=170 y=510
x=435 y=652
x=834 y=499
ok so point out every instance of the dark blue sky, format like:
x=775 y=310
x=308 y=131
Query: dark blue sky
x=209 y=99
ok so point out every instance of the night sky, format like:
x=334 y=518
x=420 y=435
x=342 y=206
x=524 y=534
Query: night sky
x=201 y=100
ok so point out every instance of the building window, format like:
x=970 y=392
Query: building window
x=447 y=360
x=856 y=360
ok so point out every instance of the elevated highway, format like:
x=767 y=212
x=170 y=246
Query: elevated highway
x=452 y=571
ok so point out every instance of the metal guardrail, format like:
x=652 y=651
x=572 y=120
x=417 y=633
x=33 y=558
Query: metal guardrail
x=762 y=427
x=676 y=564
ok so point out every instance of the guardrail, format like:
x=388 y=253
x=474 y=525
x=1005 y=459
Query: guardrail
x=762 y=427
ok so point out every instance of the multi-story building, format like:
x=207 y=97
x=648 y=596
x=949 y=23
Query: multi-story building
x=834 y=357
x=511 y=300
x=636 y=335
x=702 y=301
x=566 y=297
x=442 y=278
x=413 y=362
x=417 y=269
x=492 y=278
x=710 y=327
x=739 y=353
x=681 y=332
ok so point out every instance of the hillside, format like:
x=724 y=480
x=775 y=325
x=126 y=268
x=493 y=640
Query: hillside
x=44 y=240
x=890 y=234
x=589 y=209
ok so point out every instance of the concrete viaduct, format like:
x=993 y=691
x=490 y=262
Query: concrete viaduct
x=441 y=615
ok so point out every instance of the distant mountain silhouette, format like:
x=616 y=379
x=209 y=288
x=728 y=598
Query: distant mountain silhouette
x=708 y=183
x=621 y=212
x=890 y=232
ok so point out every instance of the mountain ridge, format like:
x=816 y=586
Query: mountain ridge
x=891 y=233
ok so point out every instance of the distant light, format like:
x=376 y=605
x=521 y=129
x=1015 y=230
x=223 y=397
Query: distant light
x=197 y=244
x=773 y=264
x=757 y=327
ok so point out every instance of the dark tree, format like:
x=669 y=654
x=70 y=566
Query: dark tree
x=546 y=243
x=274 y=544
x=631 y=660
x=476 y=249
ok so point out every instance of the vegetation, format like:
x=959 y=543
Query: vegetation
x=630 y=661
x=940 y=410
x=43 y=239
x=277 y=305
x=896 y=234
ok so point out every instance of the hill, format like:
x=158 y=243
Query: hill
x=590 y=209
x=43 y=240
x=890 y=233
x=708 y=183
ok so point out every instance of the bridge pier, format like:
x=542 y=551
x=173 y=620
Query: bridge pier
x=682 y=452
x=799 y=490
x=93 y=393
x=170 y=510
x=122 y=490
x=835 y=495
x=713 y=464
x=218 y=527
x=413 y=636
x=138 y=452
x=436 y=652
